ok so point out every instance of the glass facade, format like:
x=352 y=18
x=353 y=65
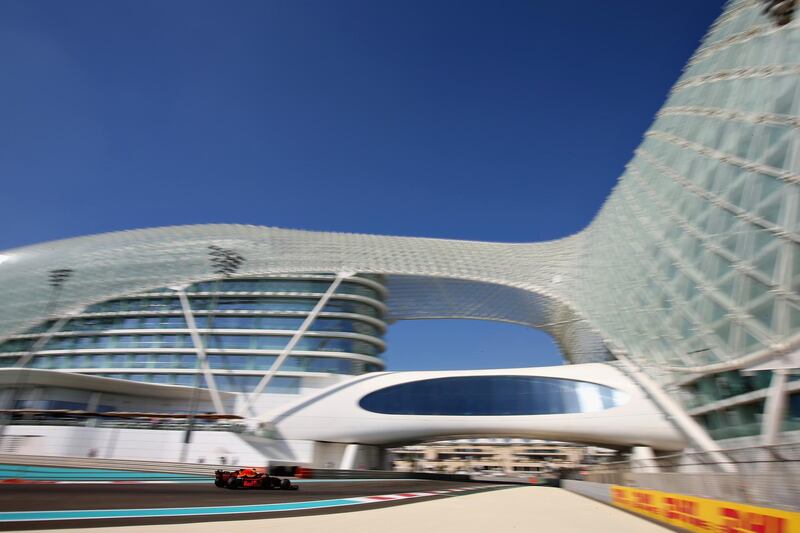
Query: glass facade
x=232 y=303
x=726 y=385
x=145 y=337
x=791 y=420
x=695 y=258
x=492 y=396
x=735 y=421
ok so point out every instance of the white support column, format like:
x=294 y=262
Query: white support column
x=349 y=457
x=6 y=399
x=685 y=423
x=200 y=350
x=323 y=301
x=91 y=406
x=775 y=407
x=643 y=460
x=94 y=402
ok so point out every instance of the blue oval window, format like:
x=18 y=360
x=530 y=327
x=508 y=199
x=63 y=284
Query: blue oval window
x=492 y=396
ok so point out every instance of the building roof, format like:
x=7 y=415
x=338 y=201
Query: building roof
x=70 y=380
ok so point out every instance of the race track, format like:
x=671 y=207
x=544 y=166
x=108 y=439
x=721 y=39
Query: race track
x=43 y=506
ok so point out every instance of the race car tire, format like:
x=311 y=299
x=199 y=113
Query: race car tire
x=274 y=483
x=234 y=483
x=286 y=484
x=219 y=483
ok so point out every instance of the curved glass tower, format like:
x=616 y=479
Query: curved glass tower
x=692 y=267
x=244 y=324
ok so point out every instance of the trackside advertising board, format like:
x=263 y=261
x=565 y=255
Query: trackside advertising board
x=703 y=514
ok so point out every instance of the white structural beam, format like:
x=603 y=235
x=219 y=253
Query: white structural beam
x=41 y=341
x=200 y=350
x=774 y=407
x=684 y=422
x=790 y=361
x=323 y=301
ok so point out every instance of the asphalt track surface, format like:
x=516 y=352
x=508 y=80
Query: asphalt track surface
x=46 y=497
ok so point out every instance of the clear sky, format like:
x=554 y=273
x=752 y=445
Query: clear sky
x=482 y=120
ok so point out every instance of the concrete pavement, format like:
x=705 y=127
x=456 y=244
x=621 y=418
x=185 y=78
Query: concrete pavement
x=541 y=509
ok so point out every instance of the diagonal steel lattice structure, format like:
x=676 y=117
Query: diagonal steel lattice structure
x=691 y=266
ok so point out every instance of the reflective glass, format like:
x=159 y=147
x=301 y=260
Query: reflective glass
x=186 y=380
x=492 y=396
x=252 y=303
x=280 y=385
x=275 y=342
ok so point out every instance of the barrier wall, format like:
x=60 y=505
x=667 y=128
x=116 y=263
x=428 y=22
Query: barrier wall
x=765 y=476
x=14 y=472
x=75 y=468
x=690 y=513
x=16 y=460
x=596 y=491
x=330 y=473
x=704 y=514
x=130 y=444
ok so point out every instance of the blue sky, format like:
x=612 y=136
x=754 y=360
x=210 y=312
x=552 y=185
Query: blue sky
x=503 y=121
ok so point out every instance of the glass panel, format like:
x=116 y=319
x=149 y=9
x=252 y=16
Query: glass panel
x=279 y=385
x=792 y=418
x=492 y=396
x=184 y=379
x=764 y=313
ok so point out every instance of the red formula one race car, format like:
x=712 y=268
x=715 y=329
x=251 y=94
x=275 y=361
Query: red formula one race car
x=250 y=478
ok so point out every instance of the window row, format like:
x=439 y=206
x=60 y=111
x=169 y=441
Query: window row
x=736 y=421
x=250 y=303
x=253 y=342
x=729 y=384
x=61 y=404
x=317 y=344
x=216 y=322
x=747 y=419
x=277 y=385
x=188 y=361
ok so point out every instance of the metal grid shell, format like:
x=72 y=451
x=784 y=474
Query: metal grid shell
x=693 y=263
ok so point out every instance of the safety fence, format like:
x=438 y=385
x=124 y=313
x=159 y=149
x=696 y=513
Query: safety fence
x=762 y=475
x=11 y=473
x=35 y=467
x=112 y=464
x=127 y=423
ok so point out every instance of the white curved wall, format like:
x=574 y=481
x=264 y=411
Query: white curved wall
x=334 y=415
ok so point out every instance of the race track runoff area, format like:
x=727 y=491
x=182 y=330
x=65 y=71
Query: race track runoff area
x=509 y=508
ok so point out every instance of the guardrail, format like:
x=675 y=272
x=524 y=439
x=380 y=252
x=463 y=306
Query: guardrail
x=112 y=464
x=207 y=470
x=330 y=473
x=165 y=425
x=766 y=475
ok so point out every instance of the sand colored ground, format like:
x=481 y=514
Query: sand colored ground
x=515 y=509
